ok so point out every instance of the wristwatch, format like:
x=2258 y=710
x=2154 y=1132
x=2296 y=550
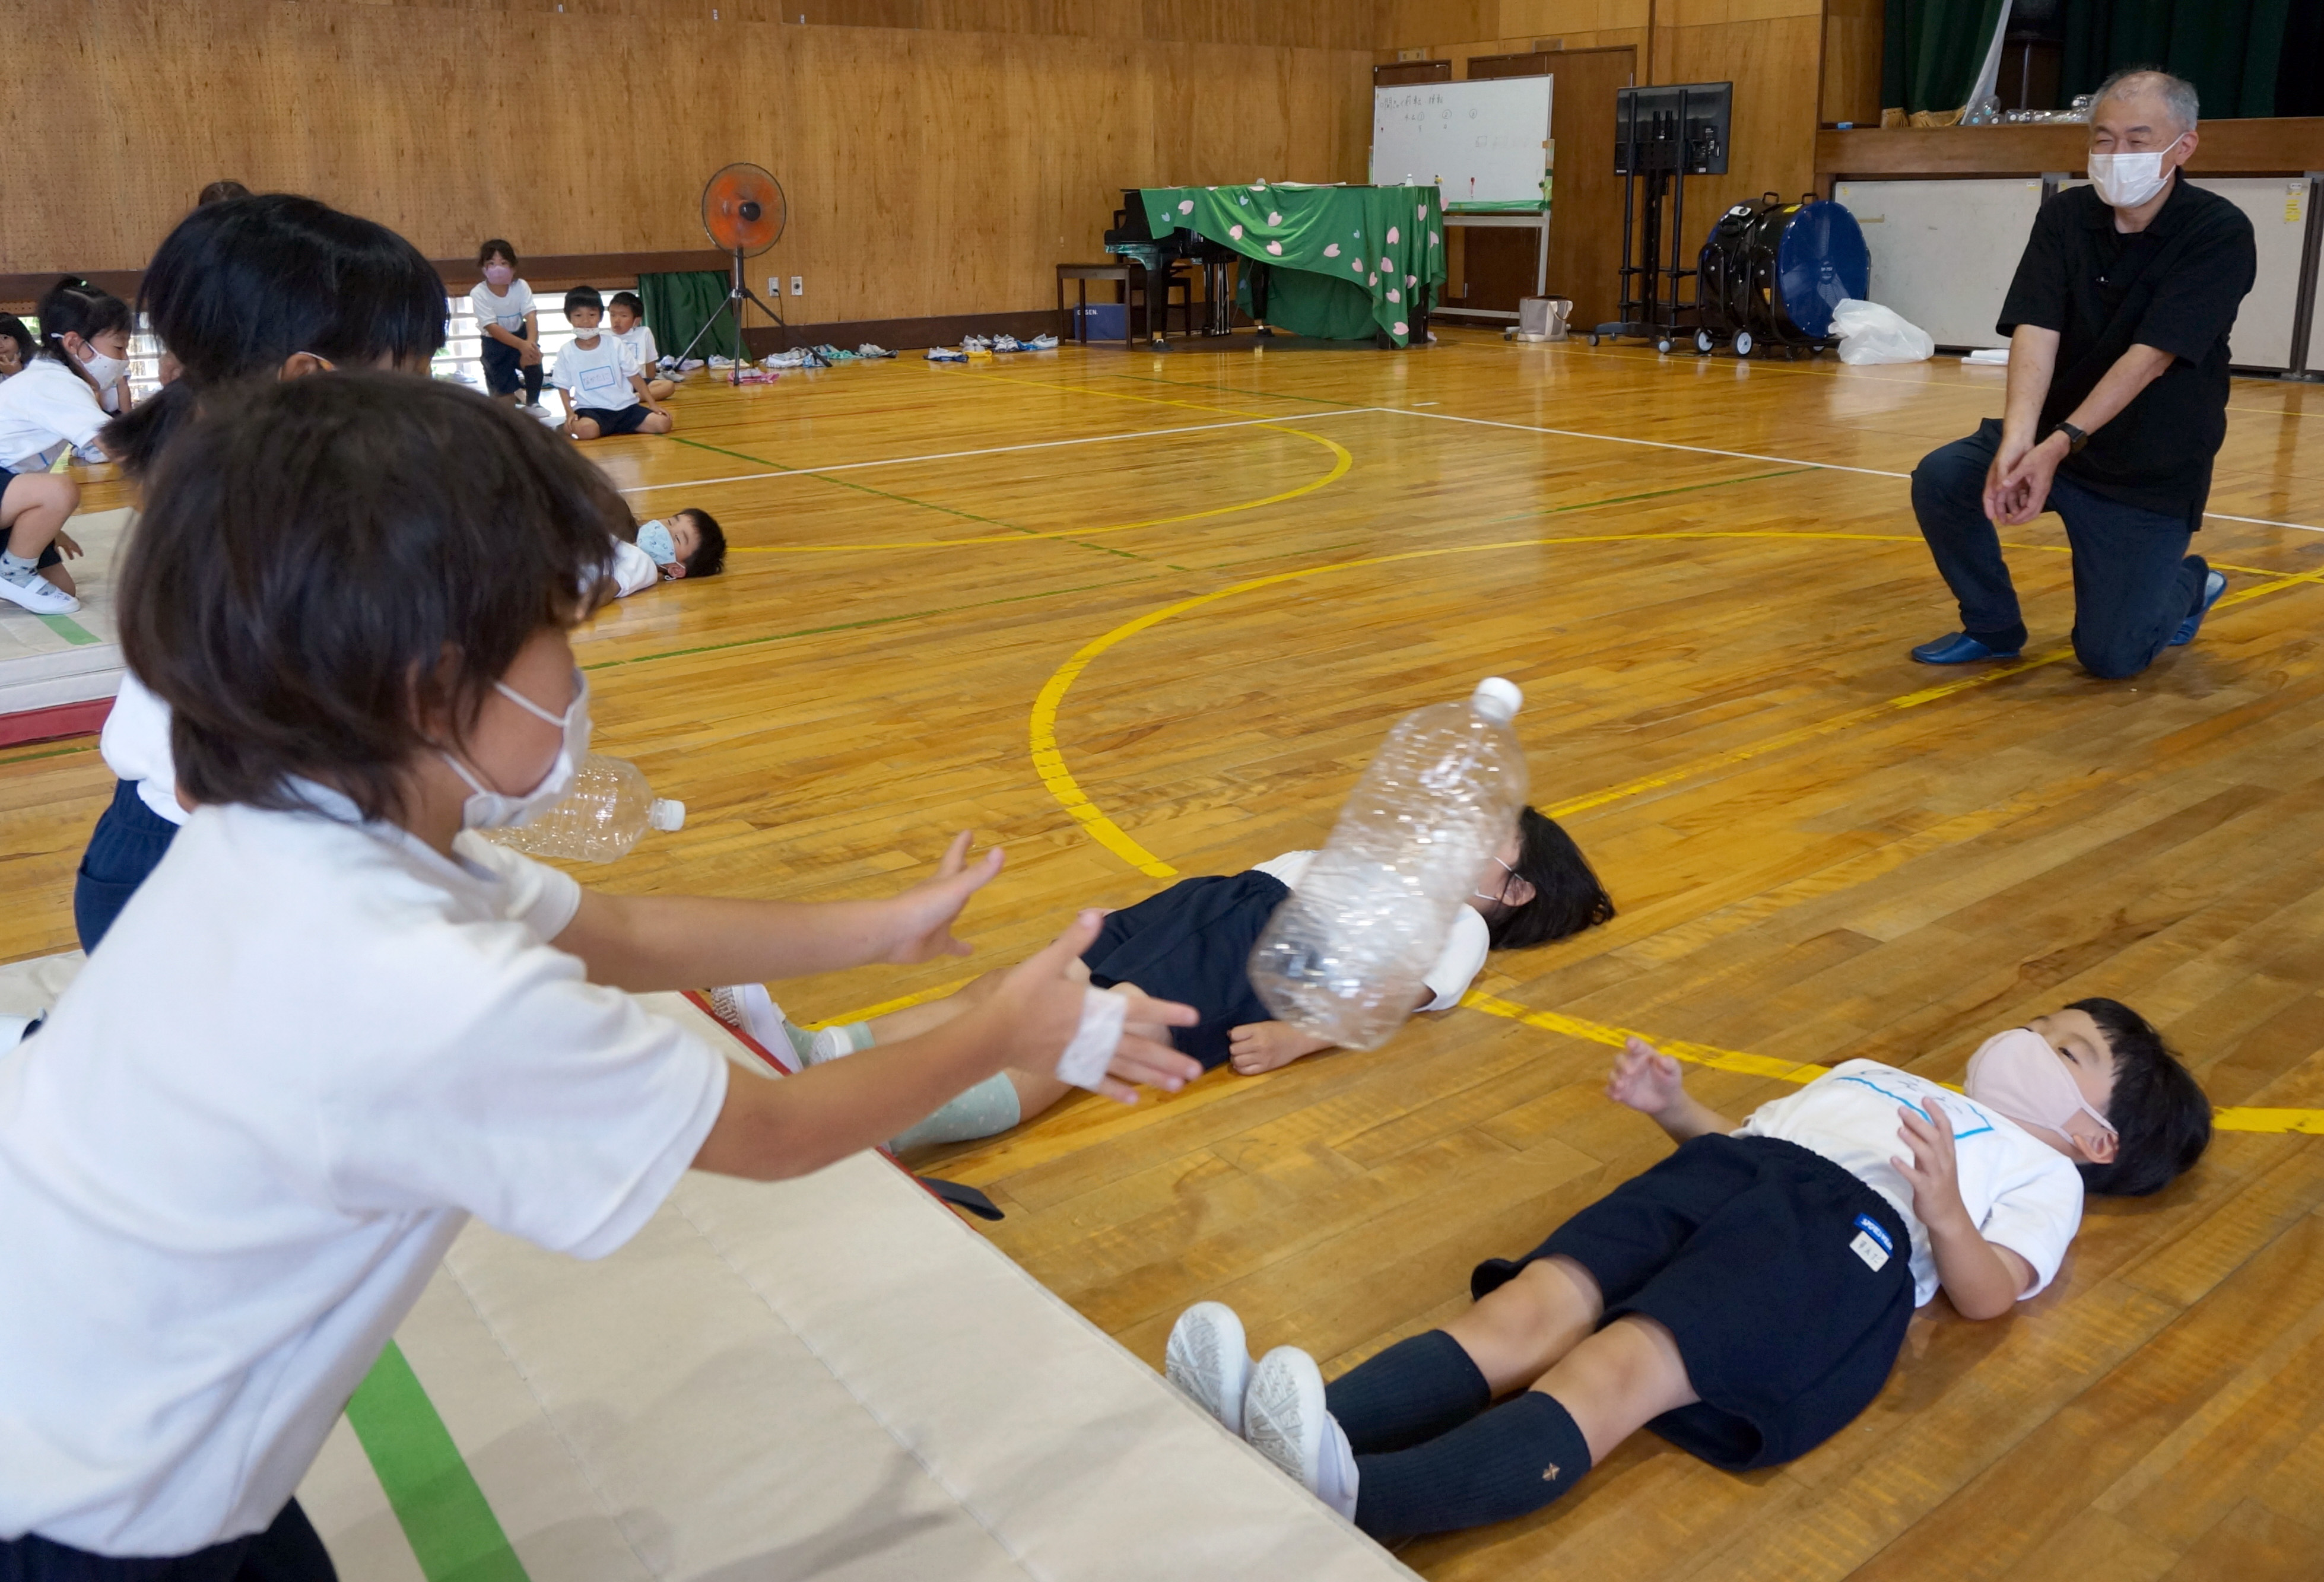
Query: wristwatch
x=2075 y=437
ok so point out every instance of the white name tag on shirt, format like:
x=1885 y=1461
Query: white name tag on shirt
x=599 y=378
x=1872 y=1243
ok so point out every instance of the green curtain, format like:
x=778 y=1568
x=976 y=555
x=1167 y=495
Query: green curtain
x=677 y=304
x=2232 y=50
x=1932 y=50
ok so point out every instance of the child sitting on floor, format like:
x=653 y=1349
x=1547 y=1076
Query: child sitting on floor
x=687 y=543
x=603 y=392
x=1745 y=1297
x=1191 y=945
x=625 y=321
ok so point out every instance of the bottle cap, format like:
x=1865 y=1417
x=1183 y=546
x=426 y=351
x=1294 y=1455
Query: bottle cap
x=666 y=815
x=1497 y=699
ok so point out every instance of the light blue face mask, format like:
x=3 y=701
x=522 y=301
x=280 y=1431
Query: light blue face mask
x=653 y=538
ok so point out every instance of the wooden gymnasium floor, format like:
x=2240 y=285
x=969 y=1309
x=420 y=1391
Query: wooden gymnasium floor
x=1136 y=615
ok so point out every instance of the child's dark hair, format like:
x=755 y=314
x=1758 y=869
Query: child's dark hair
x=497 y=247
x=333 y=560
x=1566 y=894
x=74 y=306
x=241 y=285
x=584 y=297
x=220 y=192
x=2160 y=1117
x=13 y=328
x=628 y=300
x=710 y=559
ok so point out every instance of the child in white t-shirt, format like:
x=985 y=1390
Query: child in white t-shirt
x=687 y=543
x=1746 y=1297
x=625 y=321
x=1192 y=944
x=505 y=320
x=334 y=1023
x=604 y=391
x=55 y=405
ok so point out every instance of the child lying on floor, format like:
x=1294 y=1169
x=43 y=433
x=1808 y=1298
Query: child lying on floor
x=1191 y=945
x=687 y=543
x=1745 y=1297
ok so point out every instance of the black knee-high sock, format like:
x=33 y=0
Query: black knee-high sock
x=1514 y=1460
x=1408 y=1394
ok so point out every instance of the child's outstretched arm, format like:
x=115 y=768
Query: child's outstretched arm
x=1983 y=1278
x=647 y=943
x=1651 y=1083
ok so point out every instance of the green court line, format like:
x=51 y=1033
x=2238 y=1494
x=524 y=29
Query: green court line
x=444 y=1516
x=777 y=637
x=25 y=758
x=72 y=630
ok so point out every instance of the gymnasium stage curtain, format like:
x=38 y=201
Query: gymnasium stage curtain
x=677 y=304
x=1932 y=53
x=2244 y=57
x=1346 y=262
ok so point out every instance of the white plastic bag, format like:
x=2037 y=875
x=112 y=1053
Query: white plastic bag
x=1869 y=333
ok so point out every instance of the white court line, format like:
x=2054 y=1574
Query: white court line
x=949 y=455
x=2258 y=521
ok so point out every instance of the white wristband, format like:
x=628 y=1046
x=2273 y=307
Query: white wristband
x=1085 y=1059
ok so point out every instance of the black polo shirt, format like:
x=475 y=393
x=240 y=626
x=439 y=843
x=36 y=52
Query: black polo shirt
x=2174 y=286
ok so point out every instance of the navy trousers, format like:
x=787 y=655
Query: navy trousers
x=128 y=843
x=2134 y=580
x=288 y=1551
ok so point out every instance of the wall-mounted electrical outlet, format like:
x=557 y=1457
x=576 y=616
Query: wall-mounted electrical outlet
x=774 y=285
x=798 y=285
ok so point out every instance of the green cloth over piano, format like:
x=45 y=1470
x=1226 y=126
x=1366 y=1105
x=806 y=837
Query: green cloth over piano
x=1347 y=262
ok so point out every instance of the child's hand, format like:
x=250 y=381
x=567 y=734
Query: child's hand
x=1934 y=1170
x=1146 y=1054
x=1266 y=1046
x=66 y=546
x=1040 y=1000
x=923 y=915
x=1644 y=1079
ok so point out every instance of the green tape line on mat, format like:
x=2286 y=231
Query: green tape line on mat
x=451 y=1528
x=72 y=631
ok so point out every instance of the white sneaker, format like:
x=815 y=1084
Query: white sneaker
x=976 y=342
x=750 y=1008
x=39 y=595
x=946 y=355
x=690 y=365
x=1284 y=1420
x=1210 y=1360
x=1042 y=344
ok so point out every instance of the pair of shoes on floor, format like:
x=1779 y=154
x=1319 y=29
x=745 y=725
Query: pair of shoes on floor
x=39 y=595
x=1007 y=344
x=2214 y=585
x=787 y=359
x=976 y=342
x=946 y=355
x=868 y=349
x=831 y=355
x=1275 y=1405
x=1042 y=344
x=690 y=365
x=718 y=360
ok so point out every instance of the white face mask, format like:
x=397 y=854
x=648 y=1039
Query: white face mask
x=2127 y=180
x=486 y=809
x=1502 y=894
x=2018 y=1073
x=103 y=371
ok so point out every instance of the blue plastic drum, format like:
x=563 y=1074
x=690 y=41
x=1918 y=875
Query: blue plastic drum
x=1821 y=260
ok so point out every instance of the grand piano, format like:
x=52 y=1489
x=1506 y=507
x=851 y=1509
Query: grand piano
x=1132 y=239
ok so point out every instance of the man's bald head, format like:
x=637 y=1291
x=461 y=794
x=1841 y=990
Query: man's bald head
x=2140 y=97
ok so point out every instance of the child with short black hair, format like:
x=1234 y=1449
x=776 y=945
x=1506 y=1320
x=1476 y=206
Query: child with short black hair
x=58 y=404
x=16 y=346
x=687 y=543
x=511 y=330
x=604 y=391
x=337 y=1022
x=1191 y=944
x=1746 y=1297
x=625 y=321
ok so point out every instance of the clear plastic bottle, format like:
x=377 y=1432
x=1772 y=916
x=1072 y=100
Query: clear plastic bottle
x=609 y=807
x=1344 y=956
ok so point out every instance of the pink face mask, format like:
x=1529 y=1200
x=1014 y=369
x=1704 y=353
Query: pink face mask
x=498 y=275
x=2018 y=1073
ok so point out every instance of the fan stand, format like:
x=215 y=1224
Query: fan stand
x=737 y=294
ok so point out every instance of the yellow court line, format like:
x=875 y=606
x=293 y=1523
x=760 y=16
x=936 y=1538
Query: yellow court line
x=1342 y=461
x=1049 y=762
x=2232 y=1119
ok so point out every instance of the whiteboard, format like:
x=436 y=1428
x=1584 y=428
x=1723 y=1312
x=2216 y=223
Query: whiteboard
x=1944 y=252
x=1482 y=141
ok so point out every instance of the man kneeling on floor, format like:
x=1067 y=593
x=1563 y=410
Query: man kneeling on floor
x=1745 y=1298
x=2117 y=323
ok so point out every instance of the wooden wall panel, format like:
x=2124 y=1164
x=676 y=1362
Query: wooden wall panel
x=1852 y=34
x=1772 y=62
x=931 y=171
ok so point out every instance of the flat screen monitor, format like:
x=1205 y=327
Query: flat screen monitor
x=1676 y=127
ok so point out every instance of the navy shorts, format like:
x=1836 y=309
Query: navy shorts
x=1192 y=944
x=1743 y=1248
x=612 y=420
x=129 y=843
x=288 y=1551
x=50 y=554
x=505 y=371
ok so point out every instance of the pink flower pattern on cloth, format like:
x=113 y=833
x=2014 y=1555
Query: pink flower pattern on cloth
x=1331 y=250
x=1276 y=248
x=1236 y=232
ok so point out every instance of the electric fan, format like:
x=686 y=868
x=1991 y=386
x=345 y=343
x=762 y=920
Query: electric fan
x=742 y=212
